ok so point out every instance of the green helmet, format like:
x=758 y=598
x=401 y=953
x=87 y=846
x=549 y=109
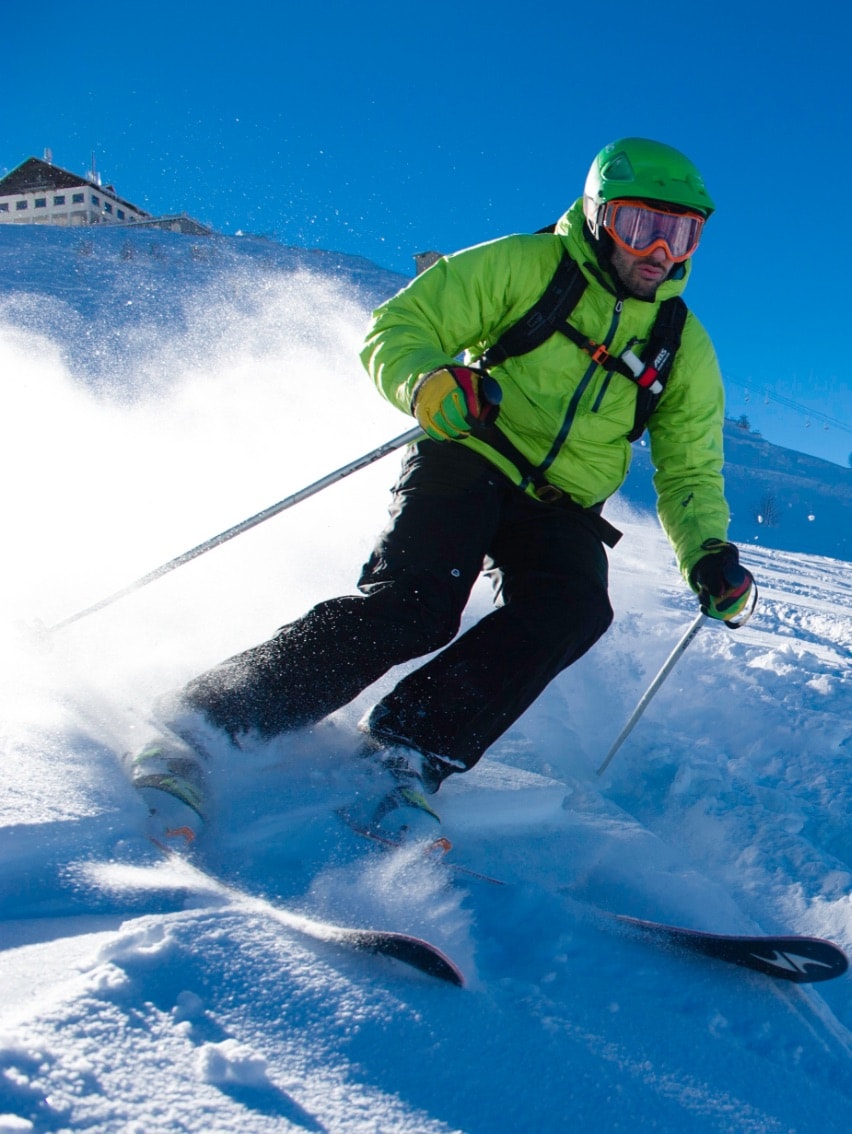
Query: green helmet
x=645 y=170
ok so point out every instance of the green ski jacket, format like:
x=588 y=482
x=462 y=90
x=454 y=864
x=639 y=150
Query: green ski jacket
x=559 y=407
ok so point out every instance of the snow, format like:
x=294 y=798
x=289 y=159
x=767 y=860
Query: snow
x=159 y=389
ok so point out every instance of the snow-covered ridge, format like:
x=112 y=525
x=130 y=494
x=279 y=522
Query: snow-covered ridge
x=108 y=295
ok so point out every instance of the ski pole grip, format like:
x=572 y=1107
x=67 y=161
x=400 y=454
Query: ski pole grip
x=492 y=396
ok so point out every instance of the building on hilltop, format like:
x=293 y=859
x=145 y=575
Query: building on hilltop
x=38 y=192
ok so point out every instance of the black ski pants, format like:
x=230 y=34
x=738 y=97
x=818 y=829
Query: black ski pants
x=452 y=515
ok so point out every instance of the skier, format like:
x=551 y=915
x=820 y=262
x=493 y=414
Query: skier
x=520 y=453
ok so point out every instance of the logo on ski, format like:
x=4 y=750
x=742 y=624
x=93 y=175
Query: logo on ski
x=803 y=960
x=791 y=962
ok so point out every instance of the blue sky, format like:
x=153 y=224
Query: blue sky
x=382 y=129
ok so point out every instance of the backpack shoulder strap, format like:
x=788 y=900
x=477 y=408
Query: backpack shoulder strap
x=543 y=319
x=659 y=354
x=549 y=315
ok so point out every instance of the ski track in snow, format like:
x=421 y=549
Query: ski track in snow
x=140 y=996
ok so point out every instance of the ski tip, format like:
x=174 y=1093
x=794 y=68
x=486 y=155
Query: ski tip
x=412 y=951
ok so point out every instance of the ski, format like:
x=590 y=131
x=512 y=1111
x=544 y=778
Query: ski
x=414 y=951
x=404 y=947
x=803 y=960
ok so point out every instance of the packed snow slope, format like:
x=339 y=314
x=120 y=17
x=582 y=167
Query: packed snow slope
x=159 y=389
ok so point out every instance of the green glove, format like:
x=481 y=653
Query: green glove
x=725 y=588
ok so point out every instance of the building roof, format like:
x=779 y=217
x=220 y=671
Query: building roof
x=34 y=174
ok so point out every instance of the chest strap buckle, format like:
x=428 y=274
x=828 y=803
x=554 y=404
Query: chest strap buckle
x=549 y=493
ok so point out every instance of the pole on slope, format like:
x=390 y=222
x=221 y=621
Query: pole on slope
x=238 y=529
x=652 y=689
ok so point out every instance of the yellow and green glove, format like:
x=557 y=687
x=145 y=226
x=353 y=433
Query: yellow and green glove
x=449 y=402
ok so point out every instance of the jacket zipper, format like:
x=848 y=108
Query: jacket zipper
x=573 y=405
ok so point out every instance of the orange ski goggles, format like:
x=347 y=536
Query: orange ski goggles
x=640 y=228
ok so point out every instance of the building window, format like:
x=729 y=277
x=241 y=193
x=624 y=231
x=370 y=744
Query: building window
x=41 y=202
x=78 y=198
x=120 y=214
x=107 y=207
x=95 y=200
x=19 y=205
x=59 y=200
x=4 y=207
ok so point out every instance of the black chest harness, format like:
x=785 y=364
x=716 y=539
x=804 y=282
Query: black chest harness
x=549 y=316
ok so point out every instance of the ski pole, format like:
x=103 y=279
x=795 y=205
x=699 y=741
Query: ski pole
x=652 y=689
x=244 y=526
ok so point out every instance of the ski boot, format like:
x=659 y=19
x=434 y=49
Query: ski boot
x=168 y=773
x=402 y=814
